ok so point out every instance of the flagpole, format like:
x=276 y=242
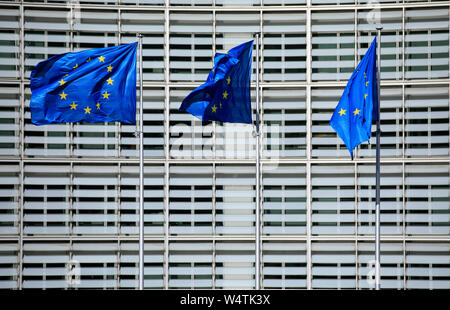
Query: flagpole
x=141 y=169
x=257 y=209
x=377 y=196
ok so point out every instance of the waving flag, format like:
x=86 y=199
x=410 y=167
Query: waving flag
x=225 y=96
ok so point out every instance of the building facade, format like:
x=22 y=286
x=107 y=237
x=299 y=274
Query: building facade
x=69 y=192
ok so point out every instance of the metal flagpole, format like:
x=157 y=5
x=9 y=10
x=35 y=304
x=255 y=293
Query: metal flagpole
x=377 y=196
x=141 y=170
x=257 y=209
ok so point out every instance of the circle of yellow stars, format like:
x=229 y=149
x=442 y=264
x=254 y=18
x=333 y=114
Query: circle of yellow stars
x=225 y=95
x=87 y=110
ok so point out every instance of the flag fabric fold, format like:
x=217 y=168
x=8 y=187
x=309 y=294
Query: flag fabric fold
x=358 y=106
x=225 y=96
x=95 y=85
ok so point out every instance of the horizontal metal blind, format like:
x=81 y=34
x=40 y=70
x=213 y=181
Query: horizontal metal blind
x=190 y=265
x=9 y=119
x=427 y=199
x=333 y=45
x=190 y=205
x=333 y=265
x=333 y=199
x=9 y=198
x=284 y=265
x=391 y=199
x=283 y=46
x=426 y=43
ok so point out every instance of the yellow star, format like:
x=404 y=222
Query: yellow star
x=62 y=82
x=66 y=75
x=356 y=112
x=367 y=83
x=73 y=106
x=109 y=68
x=342 y=112
x=214 y=108
x=106 y=95
x=76 y=66
x=225 y=95
x=221 y=105
x=228 y=80
x=101 y=59
x=63 y=95
x=365 y=96
x=88 y=60
x=98 y=106
x=110 y=81
x=87 y=110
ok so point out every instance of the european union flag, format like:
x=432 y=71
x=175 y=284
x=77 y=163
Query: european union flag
x=225 y=96
x=96 y=85
x=358 y=106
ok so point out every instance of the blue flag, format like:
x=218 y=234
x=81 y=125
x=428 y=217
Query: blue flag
x=96 y=85
x=225 y=96
x=358 y=106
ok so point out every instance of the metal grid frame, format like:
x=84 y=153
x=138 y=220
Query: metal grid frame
x=167 y=161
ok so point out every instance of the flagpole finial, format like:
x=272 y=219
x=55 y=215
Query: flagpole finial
x=140 y=35
x=379 y=27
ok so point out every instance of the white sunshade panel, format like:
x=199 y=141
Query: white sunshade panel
x=234 y=266
x=426 y=43
x=427 y=199
x=235 y=204
x=391 y=261
x=190 y=41
x=284 y=204
x=333 y=199
x=190 y=265
x=333 y=45
x=9 y=42
x=427 y=265
x=9 y=260
x=46 y=199
x=333 y=265
x=9 y=119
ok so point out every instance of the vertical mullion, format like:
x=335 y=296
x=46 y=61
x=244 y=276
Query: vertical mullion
x=71 y=44
x=356 y=225
x=119 y=124
x=118 y=202
x=213 y=54
x=260 y=151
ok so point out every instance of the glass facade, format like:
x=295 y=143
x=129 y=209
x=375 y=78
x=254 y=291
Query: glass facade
x=69 y=192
